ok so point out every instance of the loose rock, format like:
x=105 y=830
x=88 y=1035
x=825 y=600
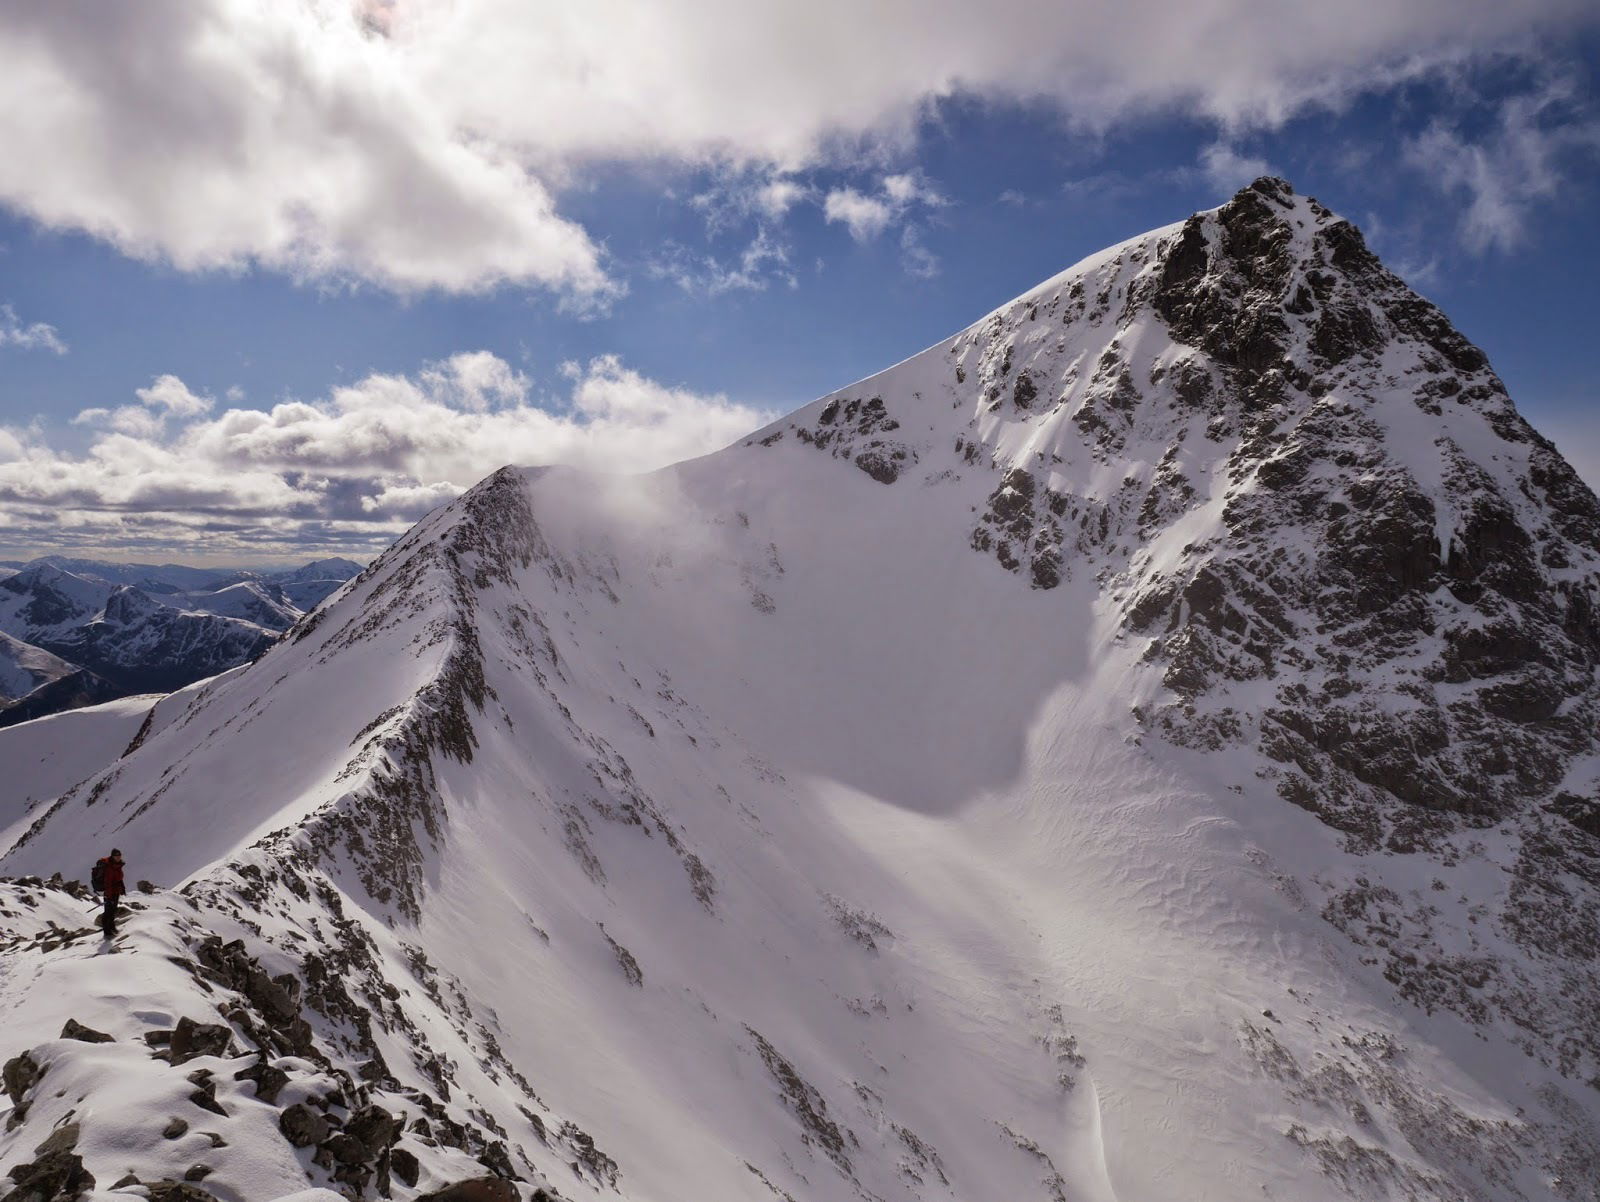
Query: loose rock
x=62 y=1139
x=303 y=1126
x=191 y=1039
x=19 y=1075
x=76 y=1030
x=475 y=1189
x=58 y=1177
x=375 y=1127
x=269 y=1080
x=179 y=1191
x=404 y=1166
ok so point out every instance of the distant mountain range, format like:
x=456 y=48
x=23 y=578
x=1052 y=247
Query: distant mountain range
x=77 y=632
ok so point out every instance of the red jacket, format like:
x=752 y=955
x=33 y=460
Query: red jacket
x=113 y=886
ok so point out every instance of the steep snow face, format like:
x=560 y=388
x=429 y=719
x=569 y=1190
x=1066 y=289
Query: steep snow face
x=24 y=667
x=42 y=601
x=52 y=754
x=1001 y=778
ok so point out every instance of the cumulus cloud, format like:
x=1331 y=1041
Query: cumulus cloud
x=896 y=198
x=867 y=216
x=36 y=336
x=1505 y=171
x=219 y=133
x=349 y=470
x=422 y=145
x=172 y=396
x=864 y=216
x=776 y=81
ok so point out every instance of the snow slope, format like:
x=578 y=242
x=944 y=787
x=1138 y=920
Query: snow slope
x=264 y=605
x=24 y=667
x=924 y=798
x=46 y=757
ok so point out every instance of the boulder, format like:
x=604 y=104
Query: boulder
x=343 y=1148
x=179 y=1191
x=19 y=1075
x=404 y=1166
x=76 y=1030
x=191 y=1039
x=303 y=1126
x=269 y=1080
x=57 y=1177
x=175 y=1129
x=62 y=1139
x=474 y=1189
x=375 y=1127
x=205 y=1097
x=497 y=1160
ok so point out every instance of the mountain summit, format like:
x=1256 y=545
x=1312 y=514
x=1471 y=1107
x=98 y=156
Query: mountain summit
x=1141 y=747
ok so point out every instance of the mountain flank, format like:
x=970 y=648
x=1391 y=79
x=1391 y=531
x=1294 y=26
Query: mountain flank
x=1142 y=746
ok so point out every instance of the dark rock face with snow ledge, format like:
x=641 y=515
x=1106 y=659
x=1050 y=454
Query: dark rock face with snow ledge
x=1123 y=743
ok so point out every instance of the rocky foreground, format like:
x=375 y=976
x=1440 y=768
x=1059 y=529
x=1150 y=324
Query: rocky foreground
x=214 y=1070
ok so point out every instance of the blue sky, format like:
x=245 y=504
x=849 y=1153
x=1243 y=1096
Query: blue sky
x=242 y=324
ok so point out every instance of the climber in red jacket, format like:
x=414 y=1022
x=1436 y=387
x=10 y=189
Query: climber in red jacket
x=107 y=881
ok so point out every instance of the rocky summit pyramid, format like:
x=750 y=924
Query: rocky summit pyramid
x=1141 y=748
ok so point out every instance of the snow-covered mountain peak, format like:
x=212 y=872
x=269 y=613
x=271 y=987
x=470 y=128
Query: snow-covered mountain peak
x=1141 y=746
x=127 y=604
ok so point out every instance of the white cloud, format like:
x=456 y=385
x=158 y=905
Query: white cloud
x=777 y=196
x=911 y=188
x=348 y=470
x=218 y=133
x=766 y=195
x=36 y=336
x=419 y=145
x=868 y=216
x=172 y=396
x=865 y=216
x=778 y=82
x=763 y=260
x=477 y=381
x=1504 y=172
x=916 y=258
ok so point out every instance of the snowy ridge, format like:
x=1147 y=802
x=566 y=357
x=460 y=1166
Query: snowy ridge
x=1040 y=770
x=24 y=667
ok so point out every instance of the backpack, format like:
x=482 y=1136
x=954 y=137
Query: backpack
x=97 y=876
